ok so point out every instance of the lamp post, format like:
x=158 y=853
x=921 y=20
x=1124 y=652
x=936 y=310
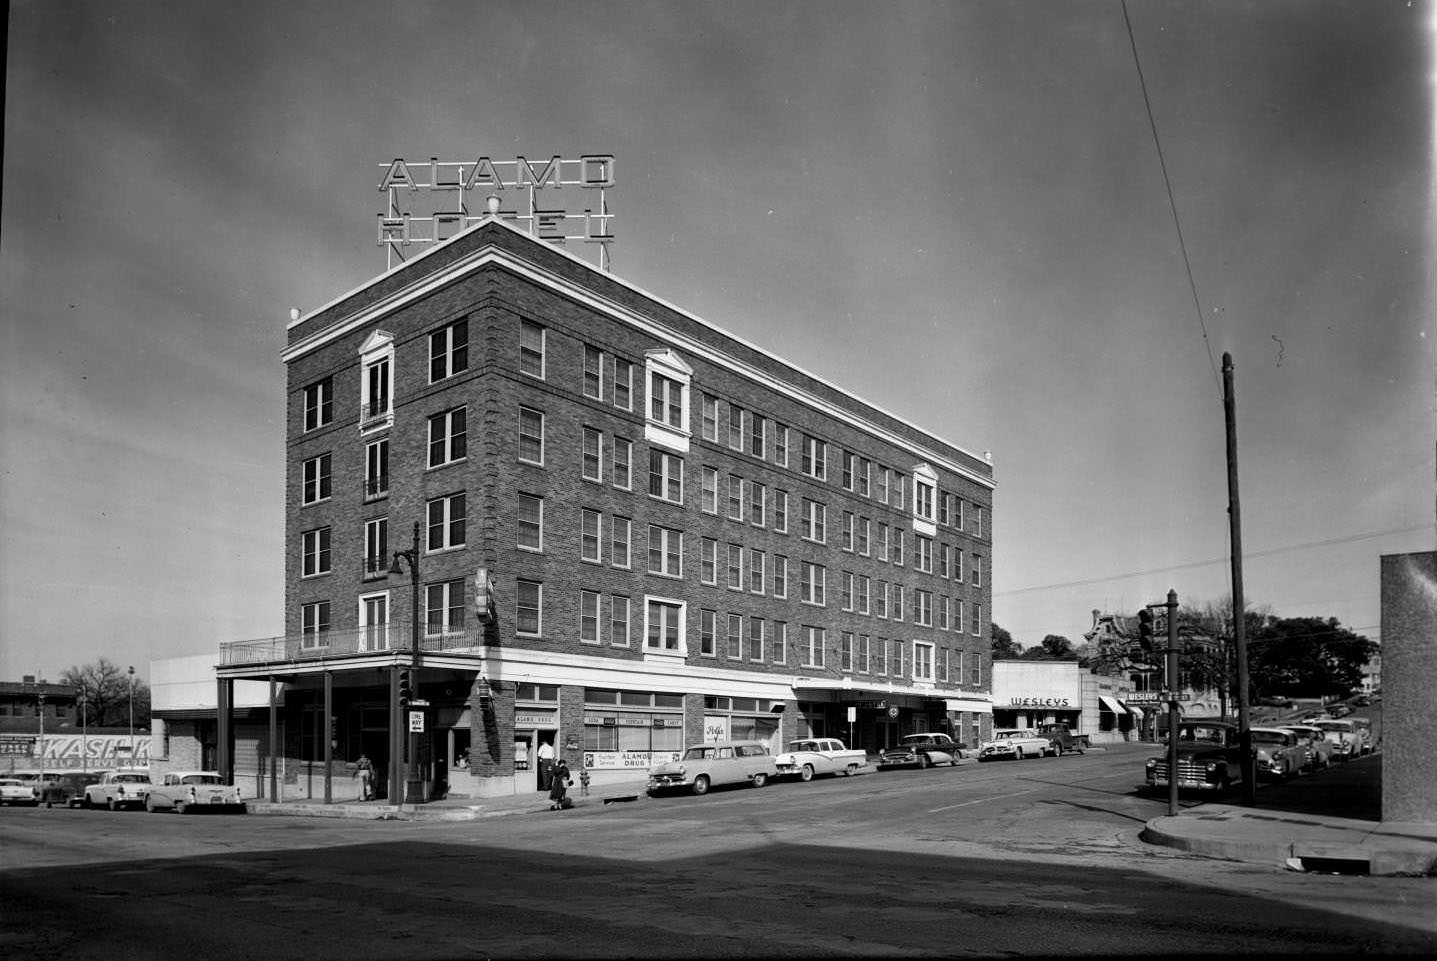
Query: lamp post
x=396 y=783
x=132 y=715
x=40 y=709
x=84 y=730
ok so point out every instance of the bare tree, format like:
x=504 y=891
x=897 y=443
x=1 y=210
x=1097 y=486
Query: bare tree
x=105 y=690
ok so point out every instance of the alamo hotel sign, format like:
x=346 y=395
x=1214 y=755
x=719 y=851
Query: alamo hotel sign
x=430 y=201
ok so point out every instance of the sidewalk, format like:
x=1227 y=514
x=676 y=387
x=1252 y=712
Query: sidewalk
x=449 y=809
x=1328 y=822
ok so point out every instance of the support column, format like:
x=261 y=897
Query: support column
x=328 y=737
x=396 y=740
x=224 y=734
x=273 y=740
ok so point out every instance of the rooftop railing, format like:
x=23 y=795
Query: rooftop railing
x=346 y=642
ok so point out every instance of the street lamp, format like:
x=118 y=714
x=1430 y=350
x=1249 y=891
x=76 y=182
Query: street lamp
x=84 y=730
x=132 y=715
x=40 y=709
x=410 y=556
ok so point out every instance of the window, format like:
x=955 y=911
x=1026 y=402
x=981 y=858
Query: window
x=815 y=517
x=376 y=468
x=735 y=497
x=958 y=614
x=708 y=561
x=315 y=552
x=375 y=387
x=881 y=494
x=780 y=576
x=896 y=659
x=944 y=514
x=756 y=494
x=664 y=629
x=623 y=384
x=757 y=439
x=923 y=553
x=708 y=491
x=710 y=417
x=812 y=646
x=620 y=531
x=780 y=445
x=811 y=583
x=444 y=608
x=666 y=476
x=814 y=460
x=449 y=350
x=446 y=522
x=864 y=659
x=780 y=511
x=779 y=642
x=755 y=638
x=880 y=656
x=376 y=546
x=618 y=620
x=945 y=560
x=943 y=613
x=528 y=607
x=447 y=437
x=900 y=485
x=977 y=521
x=735 y=426
x=531 y=349
x=735 y=567
x=923 y=498
x=863 y=590
x=975 y=669
x=735 y=637
x=706 y=632
x=922 y=661
x=666 y=549
x=591 y=535
x=975 y=569
x=593 y=372
x=957 y=565
x=319 y=404
x=958 y=512
x=862 y=535
x=922 y=608
x=897 y=606
x=756 y=570
x=588 y=617
x=975 y=621
x=882 y=541
x=845 y=652
x=592 y=455
x=864 y=466
x=531 y=435
x=897 y=554
x=666 y=400
x=531 y=522
x=880 y=600
x=317 y=478
x=623 y=462
x=845 y=534
x=845 y=590
x=314 y=624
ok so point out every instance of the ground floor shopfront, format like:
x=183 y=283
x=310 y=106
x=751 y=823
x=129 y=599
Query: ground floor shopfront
x=489 y=722
x=1030 y=693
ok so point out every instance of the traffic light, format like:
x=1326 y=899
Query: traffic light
x=405 y=691
x=1145 y=630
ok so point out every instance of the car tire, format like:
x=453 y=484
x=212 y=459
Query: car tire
x=181 y=807
x=1019 y=755
x=760 y=779
x=1057 y=750
x=806 y=774
x=150 y=805
x=112 y=804
x=701 y=784
x=923 y=761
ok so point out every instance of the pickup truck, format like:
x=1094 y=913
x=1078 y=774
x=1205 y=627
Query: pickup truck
x=119 y=789
x=819 y=755
x=1063 y=739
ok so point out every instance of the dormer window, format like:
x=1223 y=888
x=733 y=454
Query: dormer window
x=925 y=500
x=667 y=380
x=376 y=390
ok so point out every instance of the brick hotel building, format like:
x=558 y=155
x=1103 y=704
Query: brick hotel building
x=634 y=532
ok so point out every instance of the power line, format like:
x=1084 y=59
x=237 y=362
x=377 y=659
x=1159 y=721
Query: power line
x=1220 y=560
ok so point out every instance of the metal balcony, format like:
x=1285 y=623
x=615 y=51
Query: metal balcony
x=350 y=642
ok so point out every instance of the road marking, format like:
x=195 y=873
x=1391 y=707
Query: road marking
x=980 y=800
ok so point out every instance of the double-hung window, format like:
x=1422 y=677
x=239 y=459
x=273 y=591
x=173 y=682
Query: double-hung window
x=780 y=511
x=735 y=567
x=757 y=435
x=666 y=476
x=531 y=435
x=815 y=516
x=618 y=620
x=735 y=637
x=811 y=583
x=623 y=385
x=755 y=638
x=845 y=651
x=923 y=553
x=376 y=546
x=447 y=437
x=444 y=608
x=922 y=661
x=756 y=570
x=314 y=624
x=593 y=372
x=735 y=426
x=531 y=348
x=449 y=350
x=780 y=445
x=528 y=607
x=708 y=561
x=317 y=478
x=319 y=403
x=620 y=532
x=531 y=522
x=316 y=552
x=707 y=631
x=588 y=617
x=376 y=468
x=664 y=627
x=735 y=497
x=623 y=459
x=710 y=417
x=708 y=490
x=666 y=551
x=814 y=460
x=780 y=576
x=592 y=455
x=591 y=536
x=446 y=519
x=812 y=646
x=757 y=493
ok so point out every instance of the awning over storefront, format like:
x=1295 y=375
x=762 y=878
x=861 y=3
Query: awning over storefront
x=972 y=705
x=1133 y=709
x=1111 y=704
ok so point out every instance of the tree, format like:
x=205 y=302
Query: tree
x=1053 y=647
x=1213 y=665
x=1003 y=644
x=106 y=697
x=1306 y=657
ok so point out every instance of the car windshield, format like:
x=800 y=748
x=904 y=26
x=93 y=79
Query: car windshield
x=132 y=778
x=698 y=753
x=1333 y=726
x=915 y=740
x=1211 y=735
x=12 y=782
x=201 y=779
x=1268 y=737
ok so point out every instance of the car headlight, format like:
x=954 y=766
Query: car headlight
x=1151 y=763
x=1212 y=767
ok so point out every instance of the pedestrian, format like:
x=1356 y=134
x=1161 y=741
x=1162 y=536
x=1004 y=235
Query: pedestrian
x=546 y=765
x=559 y=791
x=364 y=770
x=584 y=781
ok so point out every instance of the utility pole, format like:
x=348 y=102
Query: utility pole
x=1171 y=684
x=1239 y=607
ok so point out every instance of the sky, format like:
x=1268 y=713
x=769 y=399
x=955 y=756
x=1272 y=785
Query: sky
x=967 y=213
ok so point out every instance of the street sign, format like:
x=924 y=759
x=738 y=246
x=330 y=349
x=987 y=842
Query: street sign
x=1154 y=697
x=416 y=722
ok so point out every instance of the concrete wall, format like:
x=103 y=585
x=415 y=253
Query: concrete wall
x=1409 y=693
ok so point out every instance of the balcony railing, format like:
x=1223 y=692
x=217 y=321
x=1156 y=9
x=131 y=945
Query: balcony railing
x=342 y=643
x=376 y=412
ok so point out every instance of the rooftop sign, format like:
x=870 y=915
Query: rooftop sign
x=430 y=201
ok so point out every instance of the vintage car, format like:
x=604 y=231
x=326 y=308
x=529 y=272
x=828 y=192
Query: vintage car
x=1209 y=758
x=1345 y=737
x=1014 y=745
x=1316 y=746
x=920 y=750
x=1279 y=752
x=719 y=762
x=118 y=789
x=13 y=790
x=1363 y=725
x=811 y=756
x=187 y=791
x=67 y=788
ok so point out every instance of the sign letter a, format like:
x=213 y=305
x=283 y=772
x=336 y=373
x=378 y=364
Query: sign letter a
x=483 y=172
x=398 y=176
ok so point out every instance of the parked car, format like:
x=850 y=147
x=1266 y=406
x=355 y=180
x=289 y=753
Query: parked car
x=186 y=791
x=1209 y=758
x=920 y=750
x=1340 y=709
x=1317 y=748
x=1362 y=700
x=1062 y=738
x=1014 y=745
x=1279 y=754
x=68 y=788
x=13 y=790
x=118 y=789
x=808 y=757
x=708 y=765
x=1346 y=741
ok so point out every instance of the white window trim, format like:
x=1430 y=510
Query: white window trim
x=364 y=624
x=666 y=363
x=925 y=523
x=683 y=649
x=913 y=659
x=598 y=616
x=628 y=620
x=377 y=348
x=539 y=628
x=543 y=427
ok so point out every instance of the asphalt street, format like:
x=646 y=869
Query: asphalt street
x=1038 y=857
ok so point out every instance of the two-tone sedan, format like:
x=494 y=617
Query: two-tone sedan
x=1013 y=745
x=1314 y=741
x=187 y=791
x=15 y=791
x=920 y=750
x=1279 y=753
